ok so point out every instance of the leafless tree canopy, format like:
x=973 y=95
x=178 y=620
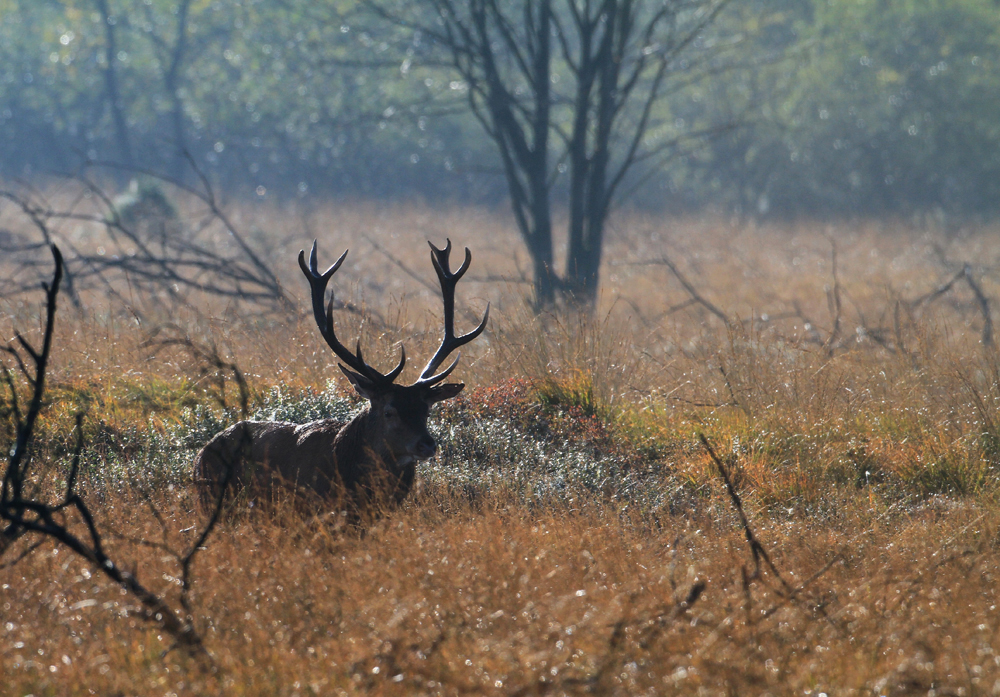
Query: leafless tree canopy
x=570 y=87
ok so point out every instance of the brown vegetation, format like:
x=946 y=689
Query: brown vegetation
x=573 y=536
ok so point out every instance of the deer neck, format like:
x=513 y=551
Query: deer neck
x=363 y=441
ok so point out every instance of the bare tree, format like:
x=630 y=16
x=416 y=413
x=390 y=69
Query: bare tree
x=172 y=54
x=569 y=86
x=161 y=41
x=112 y=87
x=179 y=35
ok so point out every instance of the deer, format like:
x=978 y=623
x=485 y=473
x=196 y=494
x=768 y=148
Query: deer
x=369 y=461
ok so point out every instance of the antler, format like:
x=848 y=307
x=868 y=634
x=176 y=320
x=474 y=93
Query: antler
x=449 y=342
x=324 y=320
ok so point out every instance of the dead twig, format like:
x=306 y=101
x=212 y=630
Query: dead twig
x=984 y=305
x=25 y=515
x=155 y=253
x=211 y=366
x=982 y=301
x=689 y=287
x=834 y=303
x=756 y=548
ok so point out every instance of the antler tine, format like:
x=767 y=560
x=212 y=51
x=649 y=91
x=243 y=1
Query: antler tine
x=435 y=379
x=324 y=318
x=318 y=282
x=450 y=342
x=392 y=374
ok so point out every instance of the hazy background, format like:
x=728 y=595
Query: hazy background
x=792 y=108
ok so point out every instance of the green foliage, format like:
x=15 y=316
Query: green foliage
x=889 y=106
x=831 y=106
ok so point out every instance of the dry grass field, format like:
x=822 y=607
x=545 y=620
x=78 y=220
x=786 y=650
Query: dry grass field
x=573 y=535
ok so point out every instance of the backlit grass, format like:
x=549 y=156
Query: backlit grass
x=572 y=536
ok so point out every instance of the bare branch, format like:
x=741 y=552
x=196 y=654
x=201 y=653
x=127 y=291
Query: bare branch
x=692 y=291
x=756 y=548
x=25 y=515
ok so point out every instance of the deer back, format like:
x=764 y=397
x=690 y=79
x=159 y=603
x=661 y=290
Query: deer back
x=269 y=459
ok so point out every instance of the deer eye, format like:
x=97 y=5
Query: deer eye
x=389 y=412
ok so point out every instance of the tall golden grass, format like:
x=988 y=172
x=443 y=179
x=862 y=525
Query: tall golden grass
x=866 y=462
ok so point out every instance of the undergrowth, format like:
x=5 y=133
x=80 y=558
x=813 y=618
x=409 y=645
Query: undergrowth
x=553 y=440
x=572 y=535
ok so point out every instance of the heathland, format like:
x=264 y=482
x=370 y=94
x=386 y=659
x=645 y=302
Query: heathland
x=573 y=535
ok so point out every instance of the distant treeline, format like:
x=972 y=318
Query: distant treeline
x=815 y=107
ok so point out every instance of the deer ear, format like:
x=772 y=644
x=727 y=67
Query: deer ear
x=439 y=393
x=364 y=386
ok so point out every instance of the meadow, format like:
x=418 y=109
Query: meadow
x=573 y=535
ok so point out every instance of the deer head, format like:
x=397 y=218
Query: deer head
x=396 y=423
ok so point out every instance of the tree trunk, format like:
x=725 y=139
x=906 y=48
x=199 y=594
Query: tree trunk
x=579 y=160
x=588 y=190
x=540 y=248
x=111 y=86
x=172 y=82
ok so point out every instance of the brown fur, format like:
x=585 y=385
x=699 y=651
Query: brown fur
x=368 y=461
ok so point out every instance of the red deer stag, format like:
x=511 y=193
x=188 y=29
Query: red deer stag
x=370 y=460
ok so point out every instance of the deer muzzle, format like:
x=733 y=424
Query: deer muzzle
x=426 y=447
